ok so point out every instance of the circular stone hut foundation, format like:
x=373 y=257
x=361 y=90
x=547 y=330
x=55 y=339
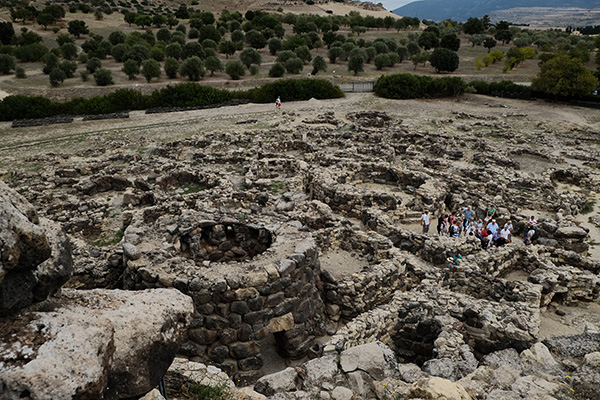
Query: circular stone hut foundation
x=253 y=286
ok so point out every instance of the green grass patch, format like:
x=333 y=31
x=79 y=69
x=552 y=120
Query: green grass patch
x=588 y=207
x=278 y=187
x=109 y=240
x=202 y=392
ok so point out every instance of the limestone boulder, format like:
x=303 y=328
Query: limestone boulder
x=322 y=369
x=183 y=374
x=571 y=232
x=437 y=388
x=375 y=358
x=35 y=257
x=282 y=381
x=92 y=344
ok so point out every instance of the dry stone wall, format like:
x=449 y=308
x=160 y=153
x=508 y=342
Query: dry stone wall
x=274 y=296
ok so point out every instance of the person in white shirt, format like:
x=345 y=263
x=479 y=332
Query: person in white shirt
x=493 y=226
x=505 y=233
x=425 y=221
x=509 y=227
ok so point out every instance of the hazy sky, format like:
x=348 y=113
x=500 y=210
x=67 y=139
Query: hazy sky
x=392 y=4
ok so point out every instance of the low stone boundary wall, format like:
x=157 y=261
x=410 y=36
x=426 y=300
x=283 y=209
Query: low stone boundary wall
x=61 y=119
x=117 y=115
x=159 y=110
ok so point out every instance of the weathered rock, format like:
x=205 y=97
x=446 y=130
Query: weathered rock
x=283 y=381
x=322 y=369
x=98 y=343
x=442 y=367
x=376 y=359
x=35 y=257
x=154 y=394
x=131 y=251
x=438 y=388
x=410 y=372
x=341 y=393
x=184 y=374
x=571 y=232
x=576 y=346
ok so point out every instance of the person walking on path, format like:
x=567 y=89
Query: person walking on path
x=425 y=221
x=278 y=103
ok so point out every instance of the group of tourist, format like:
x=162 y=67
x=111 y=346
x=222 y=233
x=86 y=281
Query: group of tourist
x=464 y=223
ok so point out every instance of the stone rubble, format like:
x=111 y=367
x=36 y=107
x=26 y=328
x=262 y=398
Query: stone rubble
x=240 y=220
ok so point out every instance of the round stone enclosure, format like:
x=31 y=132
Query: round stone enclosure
x=224 y=241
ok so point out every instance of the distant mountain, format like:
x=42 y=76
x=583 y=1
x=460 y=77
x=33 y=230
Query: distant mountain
x=461 y=10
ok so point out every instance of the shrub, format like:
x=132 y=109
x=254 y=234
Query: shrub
x=235 y=69
x=173 y=50
x=250 y=56
x=57 y=76
x=131 y=68
x=213 y=63
x=277 y=70
x=20 y=73
x=444 y=60
x=171 y=67
x=151 y=69
x=254 y=70
x=294 y=89
x=68 y=67
x=481 y=87
x=85 y=75
x=356 y=63
x=7 y=64
x=119 y=100
x=68 y=51
x=319 y=64
x=93 y=64
x=444 y=87
x=381 y=61
x=285 y=55
x=193 y=33
x=157 y=53
x=496 y=55
x=16 y=107
x=294 y=65
x=187 y=95
x=50 y=62
x=401 y=86
x=192 y=68
x=31 y=52
x=103 y=77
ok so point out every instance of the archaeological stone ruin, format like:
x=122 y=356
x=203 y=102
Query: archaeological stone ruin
x=280 y=255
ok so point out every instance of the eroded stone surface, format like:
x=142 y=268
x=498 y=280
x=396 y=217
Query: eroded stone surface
x=99 y=343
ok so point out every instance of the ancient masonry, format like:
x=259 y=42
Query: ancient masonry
x=304 y=238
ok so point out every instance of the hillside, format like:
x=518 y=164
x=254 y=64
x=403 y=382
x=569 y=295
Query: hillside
x=460 y=10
